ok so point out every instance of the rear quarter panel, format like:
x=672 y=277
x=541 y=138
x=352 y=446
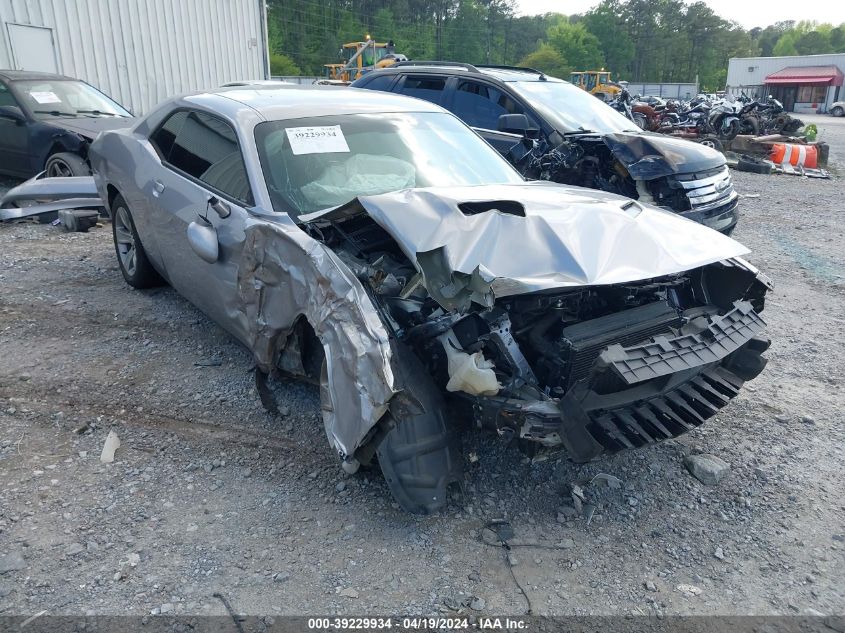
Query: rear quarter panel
x=125 y=160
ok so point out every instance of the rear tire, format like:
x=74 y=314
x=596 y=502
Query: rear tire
x=131 y=256
x=640 y=120
x=65 y=164
x=732 y=132
x=749 y=126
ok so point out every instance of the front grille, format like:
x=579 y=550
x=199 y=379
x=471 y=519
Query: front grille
x=706 y=190
x=582 y=343
x=666 y=415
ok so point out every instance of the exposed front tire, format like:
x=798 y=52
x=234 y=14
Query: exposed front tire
x=418 y=451
x=131 y=256
x=65 y=164
x=838 y=111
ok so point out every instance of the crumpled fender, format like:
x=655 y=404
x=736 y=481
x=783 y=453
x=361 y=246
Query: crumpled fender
x=647 y=156
x=286 y=275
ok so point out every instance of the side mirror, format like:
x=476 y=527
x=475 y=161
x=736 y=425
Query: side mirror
x=202 y=236
x=517 y=124
x=14 y=113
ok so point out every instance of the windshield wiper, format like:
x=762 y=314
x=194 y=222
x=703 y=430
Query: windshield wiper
x=100 y=112
x=55 y=112
x=580 y=130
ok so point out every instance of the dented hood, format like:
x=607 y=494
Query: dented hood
x=647 y=155
x=553 y=237
x=89 y=127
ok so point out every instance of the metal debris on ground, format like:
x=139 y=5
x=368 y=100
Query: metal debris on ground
x=43 y=198
x=235 y=618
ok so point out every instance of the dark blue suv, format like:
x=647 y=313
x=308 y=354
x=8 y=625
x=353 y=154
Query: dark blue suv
x=550 y=129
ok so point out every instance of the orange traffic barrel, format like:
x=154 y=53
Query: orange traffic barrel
x=795 y=155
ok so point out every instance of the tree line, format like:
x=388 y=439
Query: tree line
x=637 y=40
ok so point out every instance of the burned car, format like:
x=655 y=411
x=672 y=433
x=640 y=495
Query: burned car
x=383 y=250
x=552 y=130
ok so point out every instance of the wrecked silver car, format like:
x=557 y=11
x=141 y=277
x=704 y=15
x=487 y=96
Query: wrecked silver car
x=382 y=249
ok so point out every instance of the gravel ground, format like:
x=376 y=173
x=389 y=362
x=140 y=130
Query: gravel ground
x=209 y=493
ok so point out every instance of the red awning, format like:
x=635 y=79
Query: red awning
x=829 y=75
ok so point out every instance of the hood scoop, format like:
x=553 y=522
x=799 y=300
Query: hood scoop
x=510 y=207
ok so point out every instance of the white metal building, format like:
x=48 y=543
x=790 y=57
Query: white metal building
x=803 y=83
x=139 y=52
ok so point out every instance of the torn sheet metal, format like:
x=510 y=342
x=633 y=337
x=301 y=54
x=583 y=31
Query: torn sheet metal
x=40 y=196
x=647 y=156
x=568 y=237
x=285 y=275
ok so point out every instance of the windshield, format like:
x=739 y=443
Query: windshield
x=61 y=97
x=322 y=162
x=571 y=109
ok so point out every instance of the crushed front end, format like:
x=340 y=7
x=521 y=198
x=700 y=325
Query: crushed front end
x=707 y=197
x=674 y=174
x=620 y=366
x=548 y=343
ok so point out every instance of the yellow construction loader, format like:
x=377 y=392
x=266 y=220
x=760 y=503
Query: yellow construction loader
x=362 y=57
x=597 y=83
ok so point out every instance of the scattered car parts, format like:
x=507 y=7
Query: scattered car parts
x=43 y=198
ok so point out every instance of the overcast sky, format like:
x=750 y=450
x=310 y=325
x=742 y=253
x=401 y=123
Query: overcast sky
x=749 y=13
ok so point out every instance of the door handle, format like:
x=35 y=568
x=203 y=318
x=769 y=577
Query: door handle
x=158 y=187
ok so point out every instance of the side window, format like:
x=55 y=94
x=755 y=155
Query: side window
x=162 y=139
x=207 y=149
x=480 y=105
x=380 y=83
x=6 y=97
x=424 y=87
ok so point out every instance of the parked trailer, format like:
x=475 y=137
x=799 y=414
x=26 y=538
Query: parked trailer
x=667 y=91
x=139 y=52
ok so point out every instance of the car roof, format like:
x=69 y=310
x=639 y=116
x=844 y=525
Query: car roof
x=502 y=73
x=293 y=102
x=29 y=75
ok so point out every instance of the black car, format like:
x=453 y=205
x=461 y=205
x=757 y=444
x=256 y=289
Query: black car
x=552 y=130
x=47 y=122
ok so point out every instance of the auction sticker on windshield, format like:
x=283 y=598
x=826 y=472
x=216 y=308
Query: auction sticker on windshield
x=45 y=97
x=317 y=140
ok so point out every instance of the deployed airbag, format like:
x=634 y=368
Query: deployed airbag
x=361 y=174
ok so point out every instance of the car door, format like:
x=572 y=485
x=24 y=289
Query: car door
x=202 y=167
x=480 y=104
x=14 y=139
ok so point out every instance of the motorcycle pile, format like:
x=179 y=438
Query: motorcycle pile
x=707 y=120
